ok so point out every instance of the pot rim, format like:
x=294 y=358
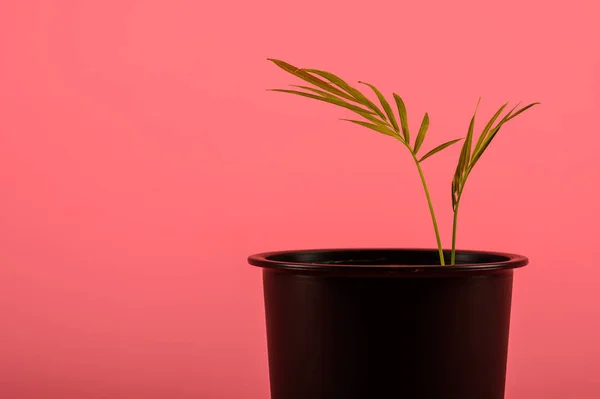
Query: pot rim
x=283 y=261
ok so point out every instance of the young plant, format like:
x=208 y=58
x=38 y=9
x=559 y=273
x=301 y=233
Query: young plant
x=469 y=157
x=327 y=87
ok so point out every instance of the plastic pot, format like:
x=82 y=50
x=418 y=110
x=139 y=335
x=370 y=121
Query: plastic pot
x=387 y=323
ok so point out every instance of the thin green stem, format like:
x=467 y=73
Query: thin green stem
x=426 y=189
x=430 y=203
x=455 y=221
x=453 y=253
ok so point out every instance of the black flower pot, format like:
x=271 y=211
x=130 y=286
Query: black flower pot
x=387 y=323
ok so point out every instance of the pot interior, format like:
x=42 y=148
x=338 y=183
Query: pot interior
x=385 y=260
x=382 y=257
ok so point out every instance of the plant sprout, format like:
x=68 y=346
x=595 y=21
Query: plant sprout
x=330 y=88
x=469 y=157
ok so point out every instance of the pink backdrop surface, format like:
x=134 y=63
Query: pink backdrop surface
x=142 y=160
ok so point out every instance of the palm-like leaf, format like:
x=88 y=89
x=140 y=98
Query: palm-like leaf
x=330 y=88
x=488 y=126
x=328 y=99
x=369 y=115
x=468 y=159
x=403 y=117
x=356 y=94
x=422 y=132
x=438 y=149
x=465 y=153
x=311 y=79
x=386 y=106
x=494 y=131
x=373 y=126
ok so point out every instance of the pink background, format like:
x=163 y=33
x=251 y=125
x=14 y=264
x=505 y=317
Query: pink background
x=142 y=160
